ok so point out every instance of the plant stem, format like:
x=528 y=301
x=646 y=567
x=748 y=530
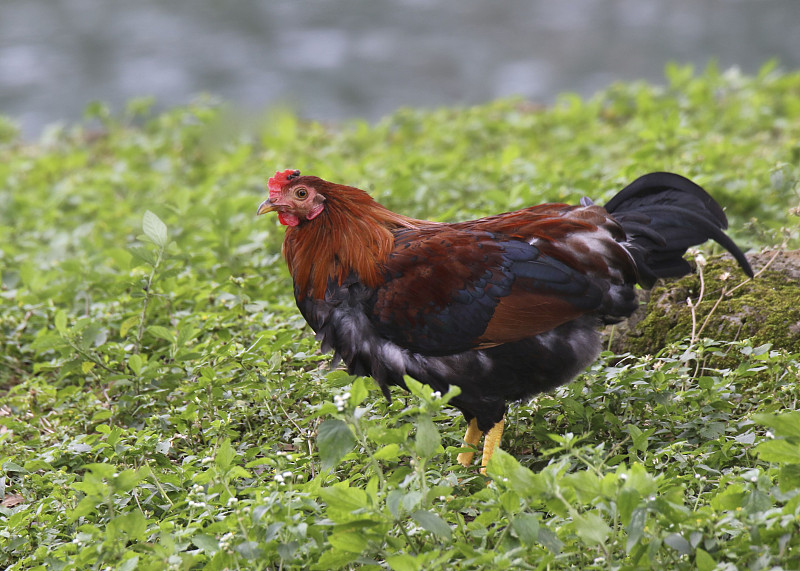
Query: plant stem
x=147 y=296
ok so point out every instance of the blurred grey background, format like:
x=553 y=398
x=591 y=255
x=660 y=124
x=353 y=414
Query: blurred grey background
x=332 y=60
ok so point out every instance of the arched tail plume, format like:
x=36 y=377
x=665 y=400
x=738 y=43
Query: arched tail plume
x=663 y=214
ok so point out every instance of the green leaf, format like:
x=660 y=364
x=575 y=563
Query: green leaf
x=125 y=481
x=249 y=550
x=411 y=499
x=640 y=480
x=394 y=502
x=591 y=528
x=627 y=500
x=433 y=523
x=334 y=559
x=161 y=333
x=129 y=564
x=348 y=541
x=635 y=528
x=732 y=496
x=225 y=455
x=418 y=389
x=785 y=424
x=585 y=483
x=504 y=467
x=780 y=451
x=358 y=391
x=639 y=437
x=344 y=498
x=49 y=341
x=154 y=229
x=428 y=440
x=127 y=324
x=388 y=452
x=206 y=542
x=133 y=524
x=334 y=440
x=10 y=466
x=527 y=528
x=550 y=540
x=703 y=561
x=677 y=542
x=101 y=470
x=185 y=334
x=143 y=254
x=509 y=501
x=403 y=562
x=61 y=321
x=135 y=362
x=789 y=477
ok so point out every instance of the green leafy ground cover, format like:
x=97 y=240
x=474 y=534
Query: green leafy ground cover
x=164 y=406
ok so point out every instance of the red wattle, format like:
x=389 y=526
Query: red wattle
x=288 y=219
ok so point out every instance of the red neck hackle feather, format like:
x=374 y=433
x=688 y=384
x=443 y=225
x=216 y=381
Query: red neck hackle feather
x=353 y=234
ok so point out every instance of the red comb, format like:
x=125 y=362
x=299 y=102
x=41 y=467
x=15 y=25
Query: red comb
x=281 y=179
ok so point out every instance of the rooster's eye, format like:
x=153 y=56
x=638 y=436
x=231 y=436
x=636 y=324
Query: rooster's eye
x=301 y=193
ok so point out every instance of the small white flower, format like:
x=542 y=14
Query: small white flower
x=232 y=501
x=225 y=542
x=279 y=478
x=437 y=395
x=623 y=477
x=341 y=401
x=769 y=434
x=700 y=260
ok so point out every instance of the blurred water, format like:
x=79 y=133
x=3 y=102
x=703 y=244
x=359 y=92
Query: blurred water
x=364 y=58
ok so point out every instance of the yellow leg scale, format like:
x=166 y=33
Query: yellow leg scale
x=490 y=443
x=472 y=437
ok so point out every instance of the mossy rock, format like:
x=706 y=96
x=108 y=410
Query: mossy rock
x=765 y=309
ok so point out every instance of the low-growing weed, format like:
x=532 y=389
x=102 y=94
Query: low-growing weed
x=164 y=406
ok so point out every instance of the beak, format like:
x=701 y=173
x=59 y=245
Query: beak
x=265 y=207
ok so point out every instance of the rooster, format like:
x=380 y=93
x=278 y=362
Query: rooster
x=504 y=307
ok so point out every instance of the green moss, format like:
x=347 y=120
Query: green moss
x=766 y=309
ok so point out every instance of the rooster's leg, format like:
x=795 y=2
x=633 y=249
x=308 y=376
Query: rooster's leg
x=492 y=443
x=472 y=437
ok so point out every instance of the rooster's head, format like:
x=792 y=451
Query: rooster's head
x=293 y=197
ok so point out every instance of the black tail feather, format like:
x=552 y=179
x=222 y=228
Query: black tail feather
x=663 y=214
